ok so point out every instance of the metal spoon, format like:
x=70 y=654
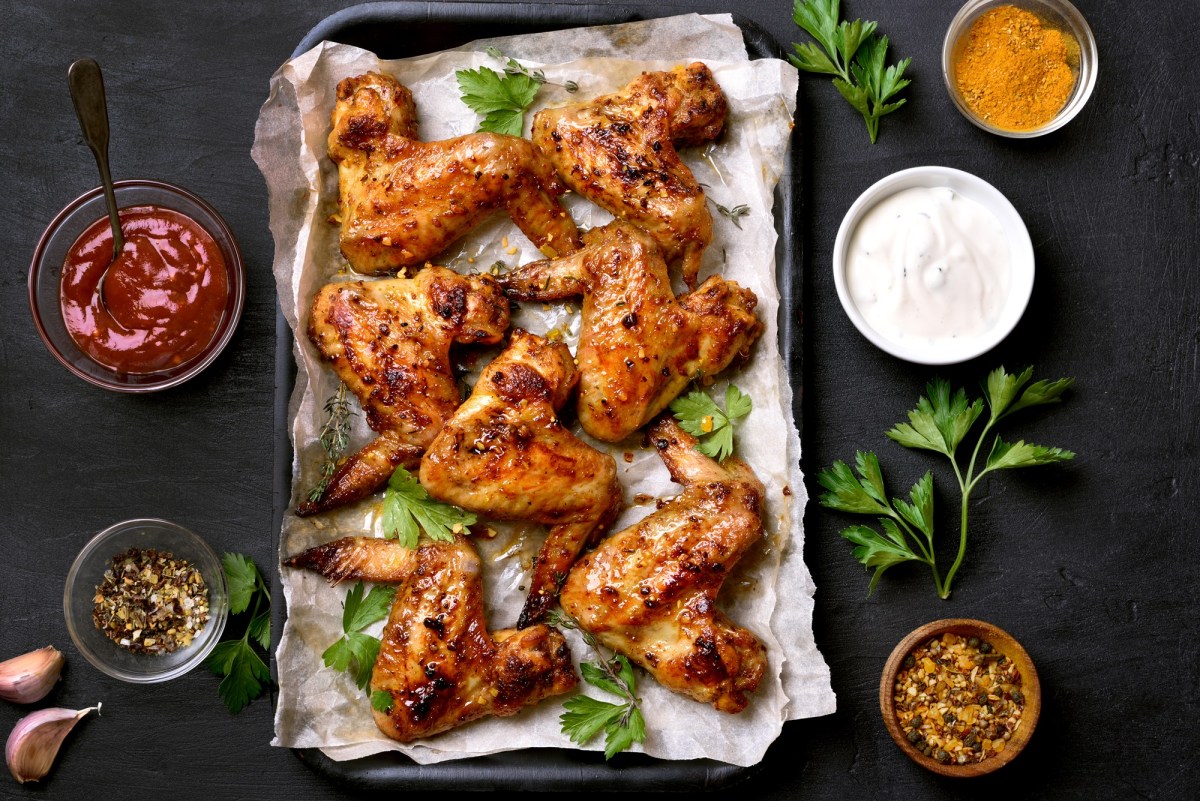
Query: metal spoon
x=87 y=93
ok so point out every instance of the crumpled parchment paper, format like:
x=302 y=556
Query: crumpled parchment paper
x=771 y=590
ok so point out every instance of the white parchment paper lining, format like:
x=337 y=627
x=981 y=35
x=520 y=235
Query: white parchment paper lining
x=771 y=592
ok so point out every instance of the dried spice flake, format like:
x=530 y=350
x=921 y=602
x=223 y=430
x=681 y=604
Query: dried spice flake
x=958 y=699
x=149 y=602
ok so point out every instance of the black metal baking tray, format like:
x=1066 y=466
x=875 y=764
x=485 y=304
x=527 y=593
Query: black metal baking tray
x=403 y=29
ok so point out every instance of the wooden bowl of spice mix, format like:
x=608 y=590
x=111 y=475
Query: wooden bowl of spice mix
x=960 y=697
x=146 y=600
x=1019 y=68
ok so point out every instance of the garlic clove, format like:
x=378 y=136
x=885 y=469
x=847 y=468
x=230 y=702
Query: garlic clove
x=28 y=677
x=35 y=740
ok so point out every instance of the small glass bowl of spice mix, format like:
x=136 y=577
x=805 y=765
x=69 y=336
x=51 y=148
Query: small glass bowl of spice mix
x=960 y=697
x=146 y=600
x=1019 y=68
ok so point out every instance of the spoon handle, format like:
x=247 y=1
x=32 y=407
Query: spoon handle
x=87 y=93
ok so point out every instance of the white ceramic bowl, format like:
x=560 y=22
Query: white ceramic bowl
x=1020 y=249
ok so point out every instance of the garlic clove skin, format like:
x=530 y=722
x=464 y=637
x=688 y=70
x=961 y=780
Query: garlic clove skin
x=35 y=740
x=29 y=677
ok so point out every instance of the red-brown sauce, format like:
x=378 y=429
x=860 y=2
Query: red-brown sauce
x=162 y=300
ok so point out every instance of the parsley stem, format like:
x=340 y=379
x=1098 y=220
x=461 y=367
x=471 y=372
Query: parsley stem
x=965 y=487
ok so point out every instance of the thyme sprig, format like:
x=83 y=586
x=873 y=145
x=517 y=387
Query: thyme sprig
x=335 y=438
x=514 y=67
x=734 y=214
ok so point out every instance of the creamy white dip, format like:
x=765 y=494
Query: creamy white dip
x=927 y=266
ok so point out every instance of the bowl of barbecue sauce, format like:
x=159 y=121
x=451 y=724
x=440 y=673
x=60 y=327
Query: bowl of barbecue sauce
x=156 y=315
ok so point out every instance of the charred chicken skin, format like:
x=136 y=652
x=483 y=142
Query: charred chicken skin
x=403 y=201
x=650 y=591
x=619 y=152
x=639 y=346
x=505 y=454
x=437 y=660
x=389 y=341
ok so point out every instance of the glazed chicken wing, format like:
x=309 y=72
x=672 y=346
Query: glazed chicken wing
x=619 y=152
x=639 y=346
x=649 y=592
x=506 y=455
x=403 y=201
x=437 y=660
x=389 y=341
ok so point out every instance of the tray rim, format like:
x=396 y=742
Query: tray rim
x=526 y=769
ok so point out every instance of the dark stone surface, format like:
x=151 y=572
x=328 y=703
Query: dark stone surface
x=1090 y=566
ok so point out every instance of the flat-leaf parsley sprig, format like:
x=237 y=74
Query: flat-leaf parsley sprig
x=854 y=55
x=623 y=723
x=699 y=415
x=940 y=423
x=408 y=509
x=502 y=98
x=356 y=652
x=245 y=673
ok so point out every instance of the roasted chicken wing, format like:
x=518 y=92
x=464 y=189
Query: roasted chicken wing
x=650 y=591
x=437 y=660
x=639 y=346
x=403 y=201
x=619 y=151
x=505 y=454
x=389 y=340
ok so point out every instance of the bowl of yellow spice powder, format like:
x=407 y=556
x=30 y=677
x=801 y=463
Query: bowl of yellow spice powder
x=1019 y=68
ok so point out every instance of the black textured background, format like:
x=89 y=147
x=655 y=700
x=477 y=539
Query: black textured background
x=1090 y=566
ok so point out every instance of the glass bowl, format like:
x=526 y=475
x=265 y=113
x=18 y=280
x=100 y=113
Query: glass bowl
x=1020 y=286
x=1002 y=643
x=88 y=571
x=45 y=277
x=1055 y=13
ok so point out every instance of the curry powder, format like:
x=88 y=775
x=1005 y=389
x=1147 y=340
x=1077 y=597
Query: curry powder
x=1014 y=72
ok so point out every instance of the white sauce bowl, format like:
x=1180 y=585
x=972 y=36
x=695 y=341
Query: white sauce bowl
x=1020 y=284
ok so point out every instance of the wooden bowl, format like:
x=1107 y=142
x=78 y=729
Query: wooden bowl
x=1002 y=642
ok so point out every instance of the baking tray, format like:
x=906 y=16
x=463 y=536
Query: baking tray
x=387 y=29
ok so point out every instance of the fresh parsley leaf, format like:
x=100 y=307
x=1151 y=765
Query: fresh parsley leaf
x=940 y=423
x=381 y=701
x=699 y=415
x=241 y=576
x=1005 y=455
x=620 y=734
x=585 y=717
x=876 y=552
x=245 y=673
x=854 y=55
x=918 y=510
x=502 y=99
x=260 y=629
x=356 y=652
x=408 y=509
x=849 y=494
x=359 y=612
